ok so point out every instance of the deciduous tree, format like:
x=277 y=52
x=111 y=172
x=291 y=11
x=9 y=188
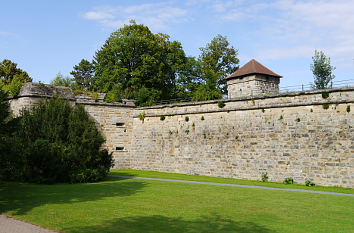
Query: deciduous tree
x=322 y=70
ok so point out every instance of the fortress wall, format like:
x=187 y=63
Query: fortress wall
x=115 y=123
x=113 y=119
x=286 y=135
x=290 y=135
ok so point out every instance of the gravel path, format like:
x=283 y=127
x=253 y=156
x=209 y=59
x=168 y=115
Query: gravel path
x=234 y=185
x=11 y=225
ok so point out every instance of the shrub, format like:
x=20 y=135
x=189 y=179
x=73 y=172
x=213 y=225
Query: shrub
x=298 y=119
x=264 y=177
x=162 y=118
x=221 y=104
x=61 y=144
x=202 y=118
x=186 y=118
x=325 y=106
x=309 y=183
x=142 y=116
x=288 y=180
x=348 y=108
x=325 y=94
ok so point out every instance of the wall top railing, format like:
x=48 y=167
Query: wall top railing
x=308 y=87
x=282 y=90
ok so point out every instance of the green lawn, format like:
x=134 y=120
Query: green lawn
x=177 y=176
x=129 y=205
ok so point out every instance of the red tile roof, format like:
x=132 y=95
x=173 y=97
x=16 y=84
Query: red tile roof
x=252 y=67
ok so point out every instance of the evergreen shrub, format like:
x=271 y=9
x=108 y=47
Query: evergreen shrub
x=62 y=144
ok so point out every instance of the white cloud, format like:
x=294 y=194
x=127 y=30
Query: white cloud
x=158 y=16
x=294 y=28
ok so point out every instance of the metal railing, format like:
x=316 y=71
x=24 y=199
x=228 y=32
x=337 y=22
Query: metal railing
x=285 y=89
x=308 y=87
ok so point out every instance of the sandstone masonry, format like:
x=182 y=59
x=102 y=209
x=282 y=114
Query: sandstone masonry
x=300 y=135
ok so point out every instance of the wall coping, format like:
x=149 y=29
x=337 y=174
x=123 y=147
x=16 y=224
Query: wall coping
x=250 y=98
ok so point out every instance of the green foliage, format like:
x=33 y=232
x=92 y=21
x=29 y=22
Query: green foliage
x=309 y=183
x=142 y=116
x=206 y=92
x=281 y=117
x=12 y=78
x=186 y=118
x=264 y=177
x=9 y=70
x=61 y=144
x=202 y=118
x=263 y=110
x=288 y=180
x=298 y=119
x=348 y=108
x=141 y=65
x=217 y=60
x=83 y=75
x=325 y=94
x=162 y=118
x=311 y=110
x=187 y=131
x=9 y=158
x=221 y=104
x=14 y=87
x=325 y=106
x=322 y=70
x=60 y=80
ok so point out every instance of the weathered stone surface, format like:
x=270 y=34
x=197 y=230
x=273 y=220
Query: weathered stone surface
x=285 y=135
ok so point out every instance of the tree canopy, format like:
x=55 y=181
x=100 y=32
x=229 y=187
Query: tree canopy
x=322 y=70
x=12 y=78
x=83 y=75
x=60 y=80
x=135 y=63
x=217 y=60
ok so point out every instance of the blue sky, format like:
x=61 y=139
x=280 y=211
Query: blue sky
x=47 y=37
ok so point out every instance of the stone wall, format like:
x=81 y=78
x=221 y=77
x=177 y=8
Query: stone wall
x=290 y=135
x=300 y=135
x=252 y=85
x=113 y=119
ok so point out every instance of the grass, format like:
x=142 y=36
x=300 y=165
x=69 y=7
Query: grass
x=129 y=205
x=177 y=176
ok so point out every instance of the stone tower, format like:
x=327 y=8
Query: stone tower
x=252 y=79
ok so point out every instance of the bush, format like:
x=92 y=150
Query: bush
x=264 y=177
x=288 y=180
x=309 y=183
x=186 y=118
x=221 y=104
x=162 y=118
x=61 y=144
x=10 y=159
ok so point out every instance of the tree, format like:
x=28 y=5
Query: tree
x=12 y=78
x=61 y=144
x=83 y=75
x=219 y=58
x=60 y=80
x=135 y=63
x=10 y=159
x=322 y=70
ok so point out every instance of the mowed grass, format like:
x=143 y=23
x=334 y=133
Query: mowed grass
x=130 y=205
x=177 y=176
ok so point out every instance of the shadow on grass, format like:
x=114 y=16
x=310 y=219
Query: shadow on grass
x=162 y=224
x=19 y=198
